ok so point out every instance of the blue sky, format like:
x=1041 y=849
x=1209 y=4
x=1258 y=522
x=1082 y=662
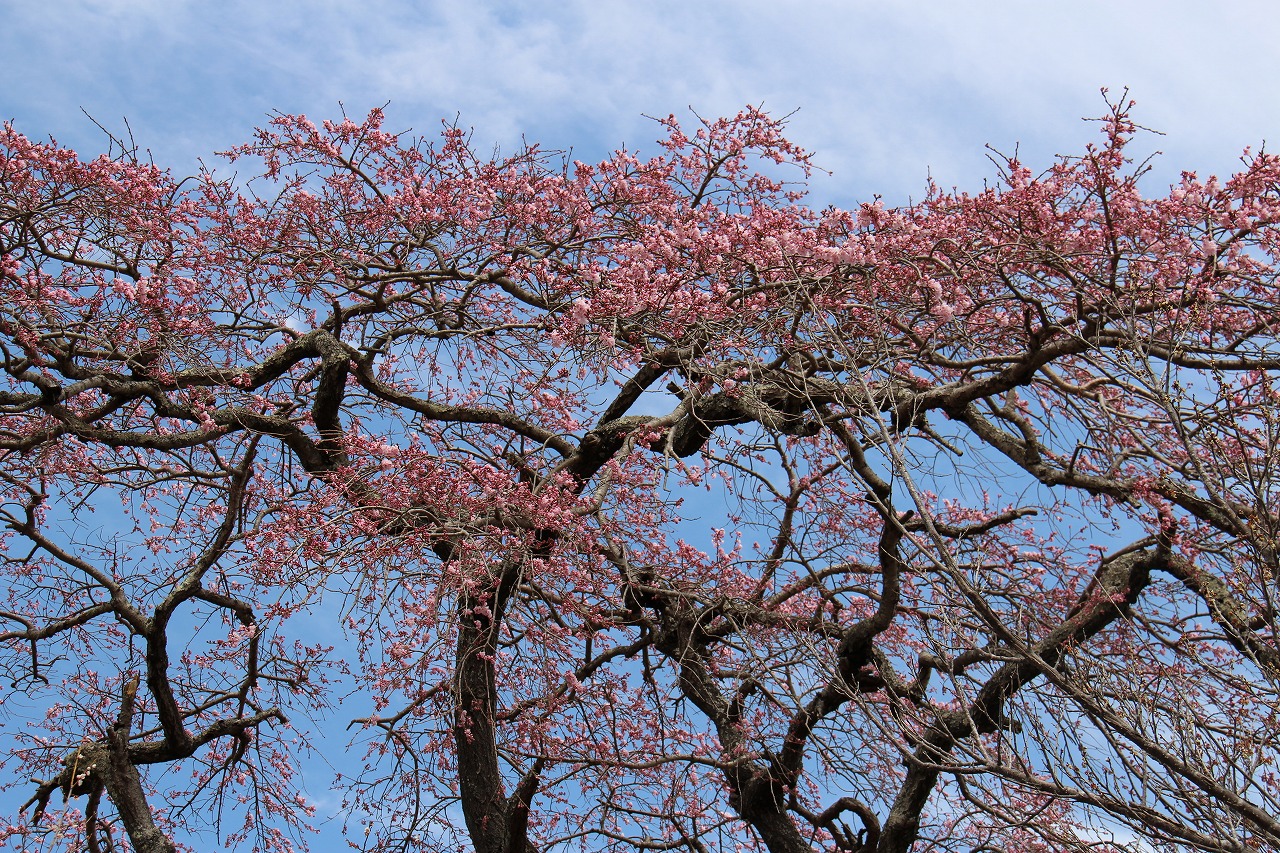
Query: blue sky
x=887 y=93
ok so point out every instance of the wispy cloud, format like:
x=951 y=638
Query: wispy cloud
x=886 y=91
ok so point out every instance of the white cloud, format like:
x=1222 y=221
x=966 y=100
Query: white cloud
x=886 y=91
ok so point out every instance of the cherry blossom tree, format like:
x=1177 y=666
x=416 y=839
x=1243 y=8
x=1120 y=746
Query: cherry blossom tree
x=636 y=505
